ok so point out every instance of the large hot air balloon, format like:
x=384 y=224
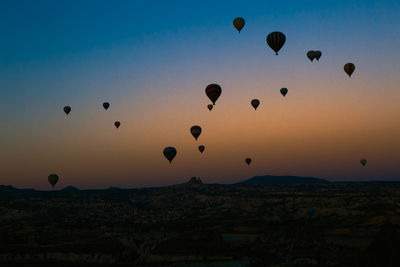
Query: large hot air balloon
x=67 y=109
x=349 y=68
x=213 y=91
x=248 y=161
x=53 y=179
x=170 y=153
x=255 y=103
x=195 y=131
x=117 y=124
x=239 y=23
x=106 y=105
x=210 y=107
x=311 y=55
x=276 y=40
x=317 y=54
x=284 y=91
x=363 y=162
x=201 y=148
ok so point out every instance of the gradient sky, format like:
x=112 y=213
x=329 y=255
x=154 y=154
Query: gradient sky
x=152 y=61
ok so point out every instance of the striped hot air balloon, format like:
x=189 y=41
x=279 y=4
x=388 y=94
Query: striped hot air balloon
x=276 y=40
x=213 y=91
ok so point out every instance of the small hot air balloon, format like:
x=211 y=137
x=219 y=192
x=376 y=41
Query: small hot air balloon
x=201 y=148
x=117 y=124
x=276 y=40
x=195 y=131
x=311 y=55
x=67 y=109
x=106 y=105
x=255 y=103
x=238 y=23
x=213 y=91
x=363 y=162
x=284 y=91
x=317 y=54
x=53 y=179
x=349 y=68
x=210 y=107
x=170 y=153
x=248 y=161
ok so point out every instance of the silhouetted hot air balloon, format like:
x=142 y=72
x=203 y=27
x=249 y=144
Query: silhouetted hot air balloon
x=213 y=91
x=311 y=55
x=195 y=131
x=284 y=91
x=276 y=40
x=255 y=103
x=363 y=162
x=210 y=107
x=349 y=68
x=239 y=23
x=117 y=124
x=170 y=153
x=248 y=161
x=317 y=54
x=106 y=105
x=201 y=148
x=67 y=109
x=53 y=179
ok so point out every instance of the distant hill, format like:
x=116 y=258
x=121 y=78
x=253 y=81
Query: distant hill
x=275 y=180
x=194 y=182
x=70 y=189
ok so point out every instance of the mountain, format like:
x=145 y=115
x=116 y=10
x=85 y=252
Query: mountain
x=70 y=189
x=275 y=180
x=194 y=182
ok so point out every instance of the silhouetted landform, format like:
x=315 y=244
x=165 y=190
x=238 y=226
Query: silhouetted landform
x=197 y=224
x=280 y=180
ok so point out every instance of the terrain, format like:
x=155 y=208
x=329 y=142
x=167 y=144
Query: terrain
x=196 y=224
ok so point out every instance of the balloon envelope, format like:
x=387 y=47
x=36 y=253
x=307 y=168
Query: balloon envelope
x=248 y=161
x=67 y=109
x=255 y=103
x=210 y=107
x=213 y=91
x=239 y=23
x=201 y=148
x=195 y=131
x=349 y=68
x=53 y=179
x=276 y=40
x=311 y=55
x=106 y=105
x=317 y=54
x=284 y=91
x=363 y=162
x=170 y=153
x=117 y=124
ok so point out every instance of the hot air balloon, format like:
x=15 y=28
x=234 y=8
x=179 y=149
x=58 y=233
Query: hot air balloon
x=195 y=131
x=170 y=153
x=311 y=55
x=317 y=54
x=248 y=161
x=363 y=162
x=106 y=105
x=239 y=23
x=67 y=109
x=201 y=148
x=213 y=91
x=349 y=68
x=53 y=179
x=310 y=212
x=210 y=107
x=284 y=91
x=255 y=103
x=117 y=124
x=276 y=40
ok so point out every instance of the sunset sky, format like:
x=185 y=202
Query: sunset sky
x=152 y=61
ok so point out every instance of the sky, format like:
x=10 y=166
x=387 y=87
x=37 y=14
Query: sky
x=152 y=60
